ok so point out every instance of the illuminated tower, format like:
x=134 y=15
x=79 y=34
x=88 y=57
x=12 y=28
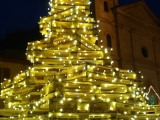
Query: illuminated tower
x=71 y=77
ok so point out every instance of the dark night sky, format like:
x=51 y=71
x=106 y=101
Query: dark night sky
x=25 y=14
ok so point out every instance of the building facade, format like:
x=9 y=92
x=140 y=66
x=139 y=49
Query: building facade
x=9 y=68
x=132 y=31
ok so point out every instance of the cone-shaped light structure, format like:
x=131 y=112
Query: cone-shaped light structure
x=71 y=77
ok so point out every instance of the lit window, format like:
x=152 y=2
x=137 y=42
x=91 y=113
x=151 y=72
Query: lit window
x=106 y=6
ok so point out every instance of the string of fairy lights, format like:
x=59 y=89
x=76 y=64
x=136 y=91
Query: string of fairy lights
x=149 y=91
x=72 y=77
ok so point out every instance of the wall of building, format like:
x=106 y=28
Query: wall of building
x=131 y=32
x=9 y=68
x=107 y=26
x=13 y=67
x=133 y=36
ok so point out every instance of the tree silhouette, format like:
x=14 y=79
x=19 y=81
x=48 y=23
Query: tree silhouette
x=18 y=39
x=14 y=43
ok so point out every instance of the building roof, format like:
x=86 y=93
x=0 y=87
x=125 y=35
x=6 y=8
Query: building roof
x=140 y=10
x=17 y=61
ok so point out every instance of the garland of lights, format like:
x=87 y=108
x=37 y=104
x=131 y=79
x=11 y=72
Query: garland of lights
x=151 y=88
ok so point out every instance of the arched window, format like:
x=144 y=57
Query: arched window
x=109 y=40
x=144 y=52
x=106 y=6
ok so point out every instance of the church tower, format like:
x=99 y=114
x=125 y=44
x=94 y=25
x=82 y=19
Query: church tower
x=104 y=14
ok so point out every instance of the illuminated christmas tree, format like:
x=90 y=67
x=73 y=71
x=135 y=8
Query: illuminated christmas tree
x=71 y=77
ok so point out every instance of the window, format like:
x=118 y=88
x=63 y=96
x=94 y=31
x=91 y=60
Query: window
x=4 y=73
x=109 y=41
x=106 y=6
x=144 y=52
